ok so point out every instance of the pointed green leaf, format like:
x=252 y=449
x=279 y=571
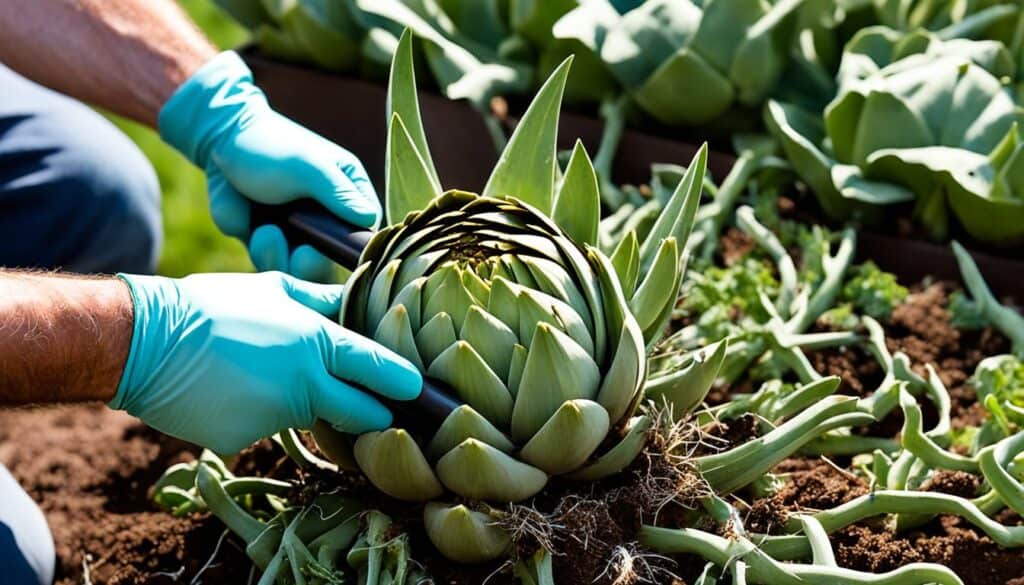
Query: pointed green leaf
x=380 y=293
x=621 y=383
x=557 y=369
x=685 y=388
x=445 y=292
x=408 y=185
x=395 y=333
x=515 y=370
x=491 y=338
x=474 y=469
x=578 y=205
x=393 y=462
x=568 y=438
x=403 y=100
x=504 y=302
x=480 y=290
x=462 y=368
x=553 y=279
x=657 y=288
x=626 y=260
x=526 y=168
x=465 y=423
x=621 y=455
x=437 y=335
x=463 y=535
x=410 y=296
x=536 y=307
x=677 y=217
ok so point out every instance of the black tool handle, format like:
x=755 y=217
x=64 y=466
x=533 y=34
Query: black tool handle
x=307 y=222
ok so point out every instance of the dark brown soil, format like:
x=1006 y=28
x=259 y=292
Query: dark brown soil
x=920 y=328
x=870 y=546
x=735 y=245
x=722 y=435
x=812 y=484
x=948 y=540
x=90 y=468
x=954 y=483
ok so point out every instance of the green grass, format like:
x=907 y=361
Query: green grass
x=192 y=242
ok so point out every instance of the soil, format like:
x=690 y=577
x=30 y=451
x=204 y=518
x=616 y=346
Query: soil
x=920 y=328
x=89 y=468
x=871 y=546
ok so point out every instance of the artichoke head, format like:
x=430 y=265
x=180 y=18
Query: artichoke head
x=530 y=330
x=506 y=298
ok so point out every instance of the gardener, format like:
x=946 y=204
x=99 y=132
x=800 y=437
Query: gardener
x=220 y=360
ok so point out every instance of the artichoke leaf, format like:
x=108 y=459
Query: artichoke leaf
x=465 y=423
x=393 y=461
x=556 y=369
x=491 y=338
x=464 y=535
x=577 y=207
x=395 y=333
x=621 y=455
x=686 y=387
x=626 y=260
x=474 y=469
x=568 y=438
x=436 y=335
x=527 y=166
x=403 y=101
x=462 y=368
x=408 y=184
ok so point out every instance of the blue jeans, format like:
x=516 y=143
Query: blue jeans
x=75 y=194
x=26 y=547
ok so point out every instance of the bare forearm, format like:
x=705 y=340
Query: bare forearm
x=125 y=55
x=62 y=338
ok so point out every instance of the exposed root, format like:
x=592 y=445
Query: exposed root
x=530 y=528
x=667 y=473
x=631 y=565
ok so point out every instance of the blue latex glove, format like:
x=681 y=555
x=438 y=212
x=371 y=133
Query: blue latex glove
x=222 y=122
x=223 y=360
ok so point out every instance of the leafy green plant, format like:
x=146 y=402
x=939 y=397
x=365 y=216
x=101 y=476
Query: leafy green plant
x=873 y=292
x=504 y=297
x=917 y=118
x=686 y=63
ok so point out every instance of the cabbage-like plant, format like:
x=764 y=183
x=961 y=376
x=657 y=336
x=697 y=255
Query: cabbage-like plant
x=916 y=119
x=332 y=35
x=685 y=62
x=505 y=297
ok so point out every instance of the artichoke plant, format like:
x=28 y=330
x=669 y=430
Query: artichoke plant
x=333 y=35
x=686 y=62
x=917 y=119
x=505 y=297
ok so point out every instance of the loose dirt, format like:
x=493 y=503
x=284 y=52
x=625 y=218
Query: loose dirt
x=90 y=468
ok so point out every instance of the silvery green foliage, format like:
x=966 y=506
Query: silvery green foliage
x=684 y=62
x=506 y=298
x=920 y=119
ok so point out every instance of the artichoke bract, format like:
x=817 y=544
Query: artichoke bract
x=506 y=298
x=921 y=119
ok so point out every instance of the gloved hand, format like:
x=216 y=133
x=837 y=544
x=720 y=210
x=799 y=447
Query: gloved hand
x=223 y=360
x=221 y=122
